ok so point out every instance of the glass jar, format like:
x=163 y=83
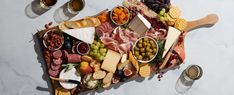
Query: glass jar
x=187 y=78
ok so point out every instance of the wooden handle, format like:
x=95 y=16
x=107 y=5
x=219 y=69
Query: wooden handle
x=165 y=60
x=209 y=20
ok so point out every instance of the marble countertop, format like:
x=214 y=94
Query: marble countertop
x=21 y=71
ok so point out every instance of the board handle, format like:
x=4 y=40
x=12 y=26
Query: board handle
x=207 y=21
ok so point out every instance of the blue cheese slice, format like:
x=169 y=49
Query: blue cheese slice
x=172 y=36
x=83 y=34
x=111 y=61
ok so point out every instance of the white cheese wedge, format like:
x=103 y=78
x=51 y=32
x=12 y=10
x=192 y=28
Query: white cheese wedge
x=111 y=61
x=172 y=36
x=139 y=24
x=83 y=34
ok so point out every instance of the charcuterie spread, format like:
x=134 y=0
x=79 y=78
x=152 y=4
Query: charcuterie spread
x=135 y=39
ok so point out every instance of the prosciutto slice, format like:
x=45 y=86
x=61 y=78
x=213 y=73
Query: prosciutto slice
x=120 y=40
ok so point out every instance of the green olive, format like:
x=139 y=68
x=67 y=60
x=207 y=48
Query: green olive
x=136 y=49
x=142 y=49
x=146 y=39
x=151 y=50
x=154 y=50
x=144 y=44
x=143 y=54
x=148 y=53
x=139 y=45
x=148 y=45
x=147 y=49
x=137 y=53
x=151 y=42
x=139 y=57
x=154 y=45
x=140 y=41
x=151 y=56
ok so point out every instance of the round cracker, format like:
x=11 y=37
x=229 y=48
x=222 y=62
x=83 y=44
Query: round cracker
x=171 y=23
x=169 y=18
x=174 y=12
x=145 y=70
x=64 y=92
x=181 y=24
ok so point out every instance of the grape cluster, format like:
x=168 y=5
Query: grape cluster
x=98 y=50
x=162 y=16
x=157 y=5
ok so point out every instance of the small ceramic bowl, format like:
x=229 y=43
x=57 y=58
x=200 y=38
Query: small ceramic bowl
x=119 y=15
x=154 y=54
x=82 y=48
x=48 y=44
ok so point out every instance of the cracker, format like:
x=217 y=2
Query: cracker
x=145 y=70
x=64 y=92
x=174 y=12
x=181 y=24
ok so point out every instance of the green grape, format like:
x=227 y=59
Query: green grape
x=161 y=18
x=96 y=48
x=91 y=53
x=102 y=45
x=103 y=54
x=95 y=51
x=98 y=44
x=103 y=50
x=162 y=12
x=95 y=42
x=101 y=58
x=92 y=46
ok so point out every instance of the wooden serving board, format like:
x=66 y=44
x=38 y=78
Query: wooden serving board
x=209 y=20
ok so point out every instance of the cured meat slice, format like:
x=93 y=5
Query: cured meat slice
x=53 y=73
x=57 y=54
x=73 y=58
x=55 y=67
x=121 y=40
x=57 y=61
x=106 y=28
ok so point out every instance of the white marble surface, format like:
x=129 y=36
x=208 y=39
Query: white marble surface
x=211 y=48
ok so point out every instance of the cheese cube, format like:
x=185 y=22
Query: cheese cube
x=111 y=61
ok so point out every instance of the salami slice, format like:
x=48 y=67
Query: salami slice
x=57 y=61
x=53 y=73
x=65 y=54
x=57 y=54
x=73 y=58
x=55 y=67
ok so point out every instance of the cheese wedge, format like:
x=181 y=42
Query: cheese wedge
x=139 y=24
x=111 y=61
x=172 y=36
x=83 y=34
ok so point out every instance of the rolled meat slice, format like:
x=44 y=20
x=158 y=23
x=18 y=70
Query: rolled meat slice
x=55 y=67
x=53 y=73
x=57 y=54
x=73 y=58
x=57 y=61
